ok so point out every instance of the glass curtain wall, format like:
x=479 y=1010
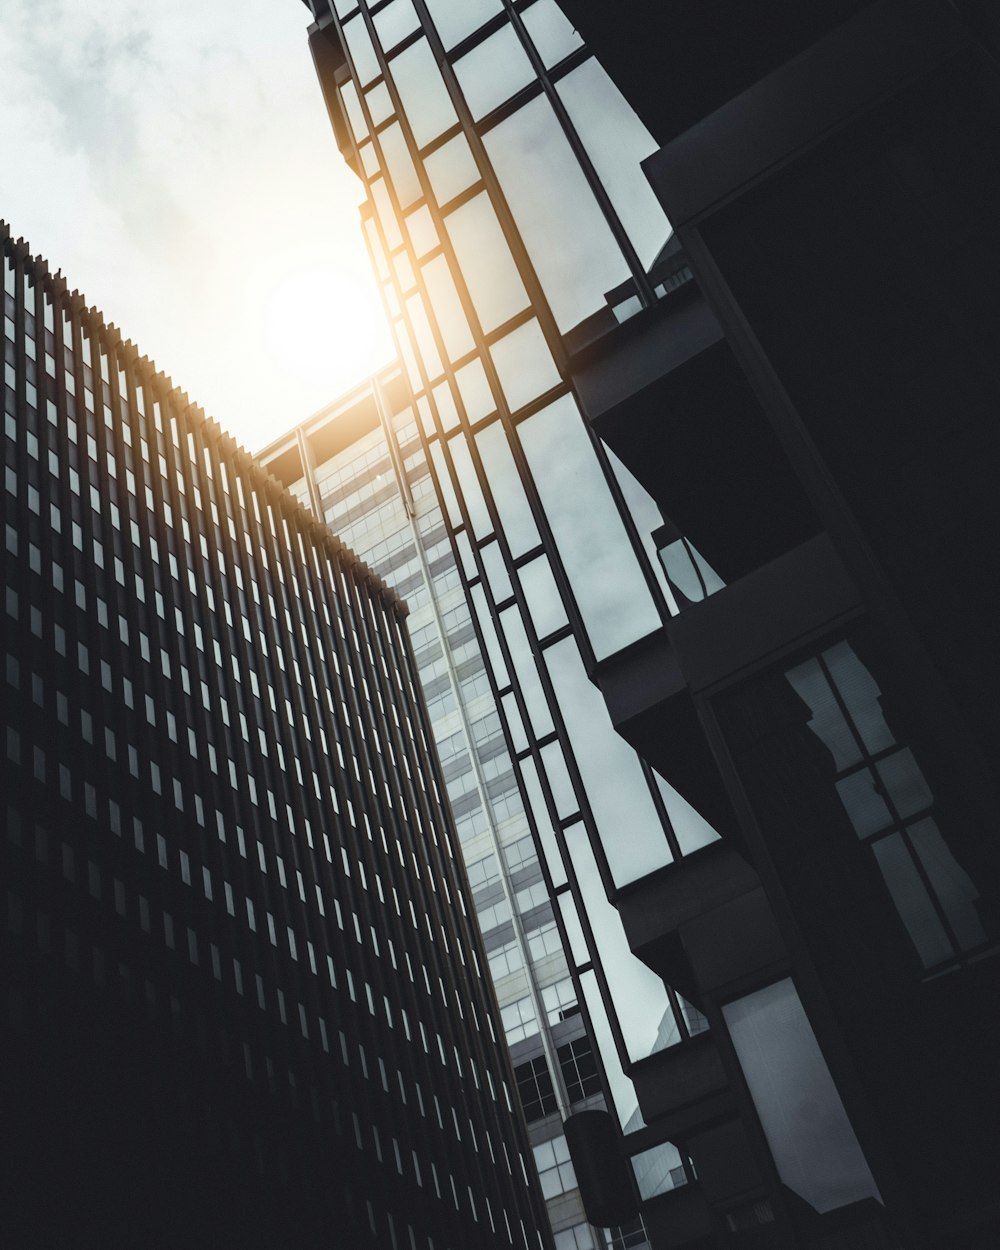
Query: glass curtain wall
x=506 y=210
x=377 y=494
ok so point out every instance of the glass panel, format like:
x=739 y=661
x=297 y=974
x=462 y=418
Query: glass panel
x=913 y=901
x=551 y=31
x=496 y=572
x=424 y=339
x=386 y=214
x=378 y=251
x=574 y=930
x=401 y=168
x=359 y=45
x=691 y=829
x=516 y=518
x=814 y=1147
x=485 y=262
x=344 y=7
x=615 y=783
x=952 y=884
x=524 y=365
x=659 y=1170
x=646 y=514
x=447 y=409
x=379 y=103
x=352 y=107
x=405 y=276
x=527 y=672
x=485 y=618
x=591 y=538
x=424 y=96
x=546 y=189
x=395 y=22
x=543 y=823
x=518 y=737
x=465 y=555
x=544 y=601
x=493 y=71
x=444 y=482
x=640 y=998
x=474 y=387
x=622 y=1090
x=616 y=141
x=451 y=168
x=448 y=310
x=457 y=19
x=468 y=480
x=563 y=794
x=420 y=226
x=369 y=159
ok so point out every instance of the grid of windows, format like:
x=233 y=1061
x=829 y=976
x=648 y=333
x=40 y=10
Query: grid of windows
x=229 y=858
x=534 y=1085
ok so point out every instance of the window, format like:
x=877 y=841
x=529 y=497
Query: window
x=579 y=1069
x=534 y=1087
x=560 y=1001
x=519 y=1020
x=554 y=1168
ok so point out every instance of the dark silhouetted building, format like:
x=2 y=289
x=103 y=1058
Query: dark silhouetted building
x=708 y=399
x=244 y=1001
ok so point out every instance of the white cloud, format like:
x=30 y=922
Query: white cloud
x=176 y=162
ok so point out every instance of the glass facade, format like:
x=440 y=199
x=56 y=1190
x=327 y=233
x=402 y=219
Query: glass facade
x=531 y=228
x=241 y=958
x=365 y=470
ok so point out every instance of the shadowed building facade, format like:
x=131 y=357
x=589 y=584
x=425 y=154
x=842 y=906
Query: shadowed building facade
x=708 y=410
x=244 y=1000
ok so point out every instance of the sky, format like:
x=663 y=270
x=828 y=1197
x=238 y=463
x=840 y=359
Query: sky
x=176 y=162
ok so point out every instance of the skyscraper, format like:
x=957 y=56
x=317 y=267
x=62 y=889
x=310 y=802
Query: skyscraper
x=361 y=466
x=243 y=998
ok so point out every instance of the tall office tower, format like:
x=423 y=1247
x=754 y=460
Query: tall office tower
x=830 y=377
x=509 y=220
x=243 y=996
x=361 y=466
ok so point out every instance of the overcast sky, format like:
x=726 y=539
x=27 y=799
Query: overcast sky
x=175 y=161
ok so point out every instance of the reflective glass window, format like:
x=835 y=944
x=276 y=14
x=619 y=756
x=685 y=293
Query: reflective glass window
x=615 y=783
x=352 y=107
x=563 y=793
x=424 y=96
x=591 y=538
x=386 y=214
x=493 y=71
x=457 y=19
x=813 y=1144
x=359 y=45
x=527 y=672
x=496 y=572
x=622 y=1090
x=421 y=229
x=448 y=310
x=516 y=518
x=379 y=103
x=451 y=168
x=658 y=1170
x=395 y=22
x=489 y=632
x=401 y=167
x=485 y=262
x=544 y=601
x=690 y=828
x=645 y=1014
x=468 y=480
x=447 y=409
x=423 y=336
x=546 y=189
x=616 y=141
x=474 y=387
x=543 y=823
x=551 y=31
x=524 y=365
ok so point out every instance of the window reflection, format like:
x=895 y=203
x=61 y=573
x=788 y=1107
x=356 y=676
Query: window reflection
x=524 y=365
x=590 y=535
x=395 y=22
x=527 y=673
x=402 y=170
x=551 y=31
x=516 y=517
x=889 y=804
x=493 y=71
x=546 y=188
x=474 y=387
x=616 y=142
x=359 y=45
x=451 y=168
x=448 y=310
x=544 y=601
x=615 y=783
x=485 y=262
x=468 y=479
x=424 y=96
x=457 y=19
